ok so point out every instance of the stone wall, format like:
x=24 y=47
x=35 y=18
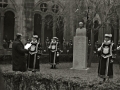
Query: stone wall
x=25 y=16
x=28 y=10
x=20 y=19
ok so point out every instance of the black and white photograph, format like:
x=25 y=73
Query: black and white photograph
x=59 y=44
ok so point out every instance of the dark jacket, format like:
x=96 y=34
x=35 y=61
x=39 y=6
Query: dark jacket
x=18 y=56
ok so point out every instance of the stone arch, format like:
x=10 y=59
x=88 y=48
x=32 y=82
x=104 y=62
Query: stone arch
x=48 y=28
x=9 y=23
x=50 y=12
x=37 y=24
x=113 y=23
x=36 y=12
x=15 y=16
x=60 y=28
x=14 y=4
x=54 y=1
x=96 y=23
x=9 y=9
x=12 y=7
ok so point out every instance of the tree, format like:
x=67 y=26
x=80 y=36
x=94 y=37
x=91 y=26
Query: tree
x=104 y=7
x=94 y=7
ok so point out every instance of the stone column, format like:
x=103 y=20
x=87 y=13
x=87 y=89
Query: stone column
x=1 y=31
x=115 y=32
x=42 y=31
x=100 y=35
x=54 y=27
x=71 y=20
x=119 y=30
x=16 y=26
x=108 y=28
x=115 y=36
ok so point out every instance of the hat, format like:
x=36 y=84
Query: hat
x=55 y=38
x=18 y=34
x=35 y=36
x=80 y=22
x=119 y=42
x=108 y=35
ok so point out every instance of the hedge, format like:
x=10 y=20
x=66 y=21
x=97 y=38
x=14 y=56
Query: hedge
x=41 y=81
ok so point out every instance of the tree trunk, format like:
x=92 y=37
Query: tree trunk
x=91 y=49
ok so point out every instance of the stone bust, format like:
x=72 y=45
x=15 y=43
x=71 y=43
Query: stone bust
x=81 y=31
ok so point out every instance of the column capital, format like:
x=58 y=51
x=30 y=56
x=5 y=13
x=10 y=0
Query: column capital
x=54 y=20
x=43 y=18
x=2 y=15
x=16 y=16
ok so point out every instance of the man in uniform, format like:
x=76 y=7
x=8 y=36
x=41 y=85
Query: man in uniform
x=34 y=54
x=54 y=53
x=18 y=54
x=107 y=51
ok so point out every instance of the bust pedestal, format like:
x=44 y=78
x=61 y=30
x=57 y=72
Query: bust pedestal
x=80 y=50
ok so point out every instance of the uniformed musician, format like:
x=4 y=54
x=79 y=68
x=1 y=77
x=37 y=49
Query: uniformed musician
x=54 y=54
x=34 y=54
x=107 y=51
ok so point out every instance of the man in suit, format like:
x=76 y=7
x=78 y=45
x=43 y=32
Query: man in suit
x=18 y=54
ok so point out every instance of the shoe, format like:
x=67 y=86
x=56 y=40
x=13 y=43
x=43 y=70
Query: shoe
x=104 y=79
x=55 y=67
x=29 y=69
x=107 y=80
x=52 y=67
x=33 y=70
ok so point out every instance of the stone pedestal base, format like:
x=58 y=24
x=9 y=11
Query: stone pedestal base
x=82 y=70
x=80 y=53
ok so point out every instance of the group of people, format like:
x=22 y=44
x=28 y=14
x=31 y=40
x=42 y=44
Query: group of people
x=65 y=46
x=7 y=44
x=106 y=52
x=33 y=50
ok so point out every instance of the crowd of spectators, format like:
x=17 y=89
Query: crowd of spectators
x=7 y=44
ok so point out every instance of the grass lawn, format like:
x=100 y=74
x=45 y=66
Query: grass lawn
x=63 y=70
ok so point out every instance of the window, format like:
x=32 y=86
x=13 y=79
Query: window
x=43 y=7
x=55 y=8
x=3 y=3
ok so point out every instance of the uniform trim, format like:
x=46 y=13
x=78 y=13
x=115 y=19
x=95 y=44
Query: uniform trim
x=107 y=56
x=103 y=76
x=107 y=65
